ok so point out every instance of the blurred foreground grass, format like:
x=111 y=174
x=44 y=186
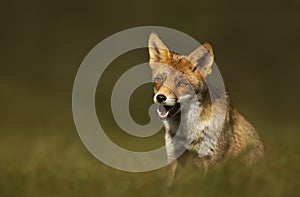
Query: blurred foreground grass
x=55 y=163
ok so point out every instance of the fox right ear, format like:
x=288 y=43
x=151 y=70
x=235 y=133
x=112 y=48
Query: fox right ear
x=203 y=58
x=158 y=51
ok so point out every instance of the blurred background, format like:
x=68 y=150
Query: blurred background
x=42 y=44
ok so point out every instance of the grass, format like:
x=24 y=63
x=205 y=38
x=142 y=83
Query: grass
x=53 y=163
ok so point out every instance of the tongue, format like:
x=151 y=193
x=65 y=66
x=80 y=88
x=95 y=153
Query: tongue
x=162 y=109
x=162 y=112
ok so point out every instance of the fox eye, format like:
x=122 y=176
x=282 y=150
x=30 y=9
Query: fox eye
x=182 y=84
x=159 y=79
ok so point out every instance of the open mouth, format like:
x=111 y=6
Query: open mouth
x=165 y=112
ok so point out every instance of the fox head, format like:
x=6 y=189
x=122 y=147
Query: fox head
x=177 y=78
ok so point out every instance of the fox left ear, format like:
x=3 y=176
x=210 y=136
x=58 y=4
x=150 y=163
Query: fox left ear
x=158 y=51
x=202 y=58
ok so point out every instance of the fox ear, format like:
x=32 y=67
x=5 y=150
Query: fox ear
x=158 y=51
x=202 y=58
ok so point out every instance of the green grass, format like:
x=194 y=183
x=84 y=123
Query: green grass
x=52 y=163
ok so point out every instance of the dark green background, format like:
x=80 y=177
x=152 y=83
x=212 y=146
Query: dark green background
x=42 y=44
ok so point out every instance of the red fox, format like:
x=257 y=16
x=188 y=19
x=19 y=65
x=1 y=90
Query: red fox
x=188 y=112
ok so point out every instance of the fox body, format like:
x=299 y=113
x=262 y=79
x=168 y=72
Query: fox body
x=192 y=120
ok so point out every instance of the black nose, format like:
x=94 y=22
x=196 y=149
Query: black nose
x=161 y=98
